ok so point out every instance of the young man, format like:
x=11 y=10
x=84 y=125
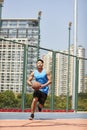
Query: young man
x=44 y=78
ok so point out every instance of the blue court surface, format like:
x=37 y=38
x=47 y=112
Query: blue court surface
x=42 y=115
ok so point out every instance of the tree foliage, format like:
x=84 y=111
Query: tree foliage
x=10 y=100
x=7 y=99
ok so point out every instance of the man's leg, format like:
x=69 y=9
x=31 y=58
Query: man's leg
x=33 y=106
x=40 y=107
x=42 y=100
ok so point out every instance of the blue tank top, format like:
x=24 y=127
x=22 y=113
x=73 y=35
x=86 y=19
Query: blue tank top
x=41 y=77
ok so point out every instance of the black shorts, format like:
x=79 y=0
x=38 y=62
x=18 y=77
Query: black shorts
x=41 y=96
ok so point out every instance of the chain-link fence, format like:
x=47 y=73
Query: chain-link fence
x=69 y=75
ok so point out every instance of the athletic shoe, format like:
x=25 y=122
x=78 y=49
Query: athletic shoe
x=31 y=117
x=39 y=109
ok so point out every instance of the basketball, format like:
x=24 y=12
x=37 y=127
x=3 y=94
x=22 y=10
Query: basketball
x=36 y=85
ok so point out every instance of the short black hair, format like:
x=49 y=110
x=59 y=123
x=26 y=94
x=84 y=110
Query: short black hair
x=40 y=60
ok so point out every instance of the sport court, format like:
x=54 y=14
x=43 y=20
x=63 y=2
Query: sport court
x=43 y=121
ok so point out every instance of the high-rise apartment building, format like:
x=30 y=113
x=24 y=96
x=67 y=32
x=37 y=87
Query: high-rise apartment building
x=85 y=83
x=64 y=71
x=48 y=64
x=22 y=31
x=81 y=53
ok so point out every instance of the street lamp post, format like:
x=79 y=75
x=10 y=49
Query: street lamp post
x=68 y=74
x=75 y=51
x=1 y=3
x=39 y=17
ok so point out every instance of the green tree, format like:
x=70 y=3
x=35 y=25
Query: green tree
x=7 y=99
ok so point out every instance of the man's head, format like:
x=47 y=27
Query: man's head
x=40 y=60
x=39 y=63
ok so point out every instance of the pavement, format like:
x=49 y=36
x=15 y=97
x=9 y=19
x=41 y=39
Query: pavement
x=42 y=115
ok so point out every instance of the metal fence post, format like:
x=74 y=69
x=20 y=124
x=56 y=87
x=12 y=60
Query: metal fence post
x=53 y=79
x=76 y=84
x=68 y=74
x=24 y=76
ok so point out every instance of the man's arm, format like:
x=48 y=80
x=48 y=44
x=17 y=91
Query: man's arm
x=30 y=79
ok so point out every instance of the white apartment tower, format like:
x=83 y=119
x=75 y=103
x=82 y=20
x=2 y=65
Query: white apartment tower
x=85 y=84
x=62 y=81
x=47 y=58
x=61 y=75
x=24 y=31
x=81 y=54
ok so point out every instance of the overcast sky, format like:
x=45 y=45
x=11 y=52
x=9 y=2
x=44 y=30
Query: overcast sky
x=56 y=15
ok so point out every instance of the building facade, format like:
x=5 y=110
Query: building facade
x=85 y=83
x=81 y=73
x=19 y=32
x=64 y=71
